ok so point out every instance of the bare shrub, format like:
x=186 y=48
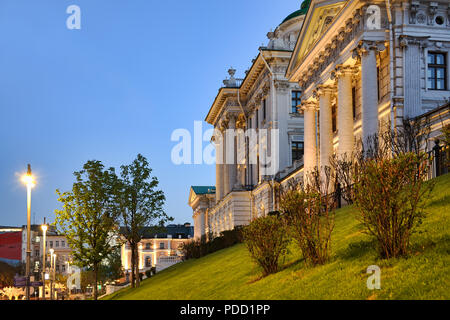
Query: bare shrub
x=308 y=212
x=390 y=194
x=267 y=241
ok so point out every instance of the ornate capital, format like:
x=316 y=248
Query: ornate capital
x=309 y=106
x=282 y=85
x=342 y=70
x=364 y=46
x=324 y=90
x=405 y=41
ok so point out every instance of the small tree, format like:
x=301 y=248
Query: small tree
x=309 y=214
x=267 y=241
x=140 y=205
x=390 y=194
x=88 y=218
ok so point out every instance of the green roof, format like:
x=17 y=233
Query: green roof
x=303 y=9
x=204 y=189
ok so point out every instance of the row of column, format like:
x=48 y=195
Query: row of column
x=345 y=130
x=226 y=169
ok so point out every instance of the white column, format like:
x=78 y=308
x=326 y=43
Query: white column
x=202 y=222
x=310 y=158
x=345 y=111
x=231 y=147
x=226 y=176
x=369 y=92
x=326 y=125
x=219 y=165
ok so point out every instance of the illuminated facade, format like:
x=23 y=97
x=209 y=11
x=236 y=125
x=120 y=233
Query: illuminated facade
x=159 y=250
x=365 y=65
x=360 y=67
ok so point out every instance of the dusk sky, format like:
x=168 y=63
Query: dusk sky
x=136 y=71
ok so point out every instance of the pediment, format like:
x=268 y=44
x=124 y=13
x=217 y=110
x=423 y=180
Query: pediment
x=318 y=18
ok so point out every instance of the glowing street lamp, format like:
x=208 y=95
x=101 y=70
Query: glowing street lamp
x=44 y=228
x=29 y=181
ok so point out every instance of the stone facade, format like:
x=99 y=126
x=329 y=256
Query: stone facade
x=362 y=67
x=264 y=102
x=372 y=62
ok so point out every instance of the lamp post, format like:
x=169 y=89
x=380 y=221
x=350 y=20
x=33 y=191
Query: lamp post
x=28 y=179
x=44 y=231
x=51 y=273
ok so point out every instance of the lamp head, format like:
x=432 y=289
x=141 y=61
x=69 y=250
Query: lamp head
x=28 y=178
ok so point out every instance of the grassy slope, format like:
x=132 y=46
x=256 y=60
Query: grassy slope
x=230 y=273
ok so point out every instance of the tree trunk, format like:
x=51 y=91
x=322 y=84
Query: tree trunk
x=95 y=281
x=133 y=262
x=138 y=277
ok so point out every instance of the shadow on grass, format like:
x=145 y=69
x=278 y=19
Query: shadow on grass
x=284 y=266
x=443 y=201
x=356 y=250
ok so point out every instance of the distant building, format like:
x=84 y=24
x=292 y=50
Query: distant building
x=10 y=244
x=53 y=241
x=158 y=249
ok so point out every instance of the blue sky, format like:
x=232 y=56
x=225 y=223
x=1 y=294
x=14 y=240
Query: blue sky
x=136 y=71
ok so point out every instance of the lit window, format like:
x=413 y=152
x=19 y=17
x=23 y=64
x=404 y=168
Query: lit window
x=437 y=71
x=295 y=100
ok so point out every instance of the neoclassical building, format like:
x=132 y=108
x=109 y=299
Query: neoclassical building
x=364 y=64
x=264 y=103
x=334 y=73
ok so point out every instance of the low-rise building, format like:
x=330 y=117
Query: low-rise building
x=159 y=249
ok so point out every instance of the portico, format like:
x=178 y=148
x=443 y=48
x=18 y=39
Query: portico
x=339 y=71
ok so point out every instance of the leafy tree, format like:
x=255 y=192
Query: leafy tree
x=88 y=218
x=112 y=269
x=140 y=205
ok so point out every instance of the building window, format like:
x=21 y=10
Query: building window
x=378 y=83
x=57 y=268
x=295 y=100
x=297 y=150
x=161 y=245
x=148 y=262
x=147 y=246
x=333 y=118
x=56 y=244
x=354 y=101
x=63 y=244
x=51 y=244
x=437 y=71
x=36 y=253
x=264 y=109
x=63 y=268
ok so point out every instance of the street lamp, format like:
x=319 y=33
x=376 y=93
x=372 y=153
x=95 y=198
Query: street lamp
x=28 y=180
x=44 y=228
x=51 y=273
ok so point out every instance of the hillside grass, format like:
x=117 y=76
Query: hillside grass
x=231 y=274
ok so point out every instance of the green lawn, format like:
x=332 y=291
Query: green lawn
x=231 y=274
